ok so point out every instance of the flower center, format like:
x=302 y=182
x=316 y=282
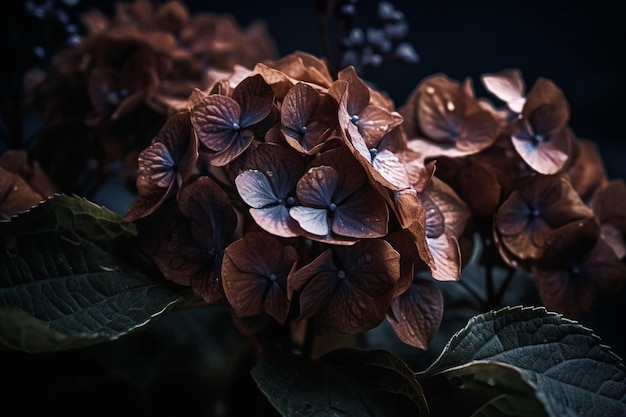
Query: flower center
x=354 y=119
x=537 y=138
x=341 y=274
x=534 y=213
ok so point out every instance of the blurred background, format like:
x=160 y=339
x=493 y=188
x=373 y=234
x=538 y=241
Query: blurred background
x=578 y=45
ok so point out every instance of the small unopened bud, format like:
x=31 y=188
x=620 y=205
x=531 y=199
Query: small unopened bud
x=406 y=53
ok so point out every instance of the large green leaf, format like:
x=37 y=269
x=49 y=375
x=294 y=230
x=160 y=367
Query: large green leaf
x=344 y=382
x=62 y=282
x=527 y=362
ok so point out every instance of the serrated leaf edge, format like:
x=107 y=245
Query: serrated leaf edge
x=494 y=314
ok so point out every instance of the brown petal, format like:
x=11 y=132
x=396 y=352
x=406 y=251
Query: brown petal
x=157 y=165
x=441 y=108
x=547 y=156
x=255 y=273
x=361 y=300
x=556 y=199
x=172 y=16
x=364 y=215
x=280 y=82
x=128 y=104
x=390 y=171
x=277 y=221
x=446 y=257
x=210 y=210
x=255 y=97
x=478 y=131
x=571 y=241
x=609 y=203
x=215 y=120
x=451 y=206
x=374 y=122
x=547 y=104
x=415 y=315
x=16 y=195
x=358 y=92
x=530 y=242
x=412 y=216
x=404 y=245
x=585 y=168
x=298 y=106
x=149 y=198
x=304 y=67
x=303 y=276
x=237 y=146
x=573 y=292
x=508 y=85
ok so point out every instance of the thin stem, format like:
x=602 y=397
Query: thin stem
x=488 y=258
x=322 y=23
x=490 y=287
x=309 y=339
x=472 y=292
x=505 y=285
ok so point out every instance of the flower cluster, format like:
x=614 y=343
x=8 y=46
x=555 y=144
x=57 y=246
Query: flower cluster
x=543 y=191
x=115 y=87
x=288 y=194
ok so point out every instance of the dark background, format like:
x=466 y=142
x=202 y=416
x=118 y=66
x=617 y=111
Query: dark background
x=578 y=45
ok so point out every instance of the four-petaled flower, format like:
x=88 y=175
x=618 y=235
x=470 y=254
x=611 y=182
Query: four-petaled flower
x=225 y=125
x=267 y=185
x=540 y=135
x=348 y=288
x=256 y=269
x=527 y=218
x=192 y=254
x=337 y=202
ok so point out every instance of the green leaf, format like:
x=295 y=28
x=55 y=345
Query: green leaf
x=71 y=214
x=344 y=382
x=63 y=286
x=529 y=362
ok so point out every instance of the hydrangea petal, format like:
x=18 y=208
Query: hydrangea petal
x=255 y=189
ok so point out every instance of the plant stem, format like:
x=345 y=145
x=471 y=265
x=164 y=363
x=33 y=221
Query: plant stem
x=490 y=288
x=505 y=285
x=473 y=293
x=322 y=22
x=323 y=10
x=309 y=339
